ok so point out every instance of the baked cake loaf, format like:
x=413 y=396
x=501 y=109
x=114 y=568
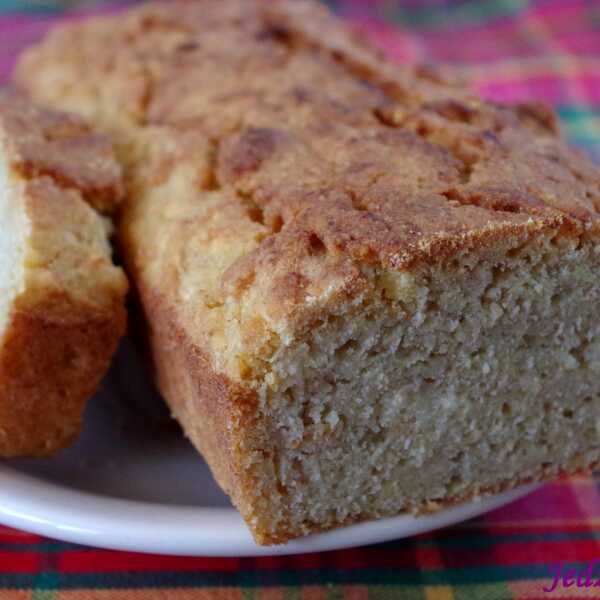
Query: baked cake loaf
x=61 y=299
x=367 y=290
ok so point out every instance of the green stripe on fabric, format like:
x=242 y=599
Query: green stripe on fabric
x=41 y=547
x=394 y=592
x=248 y=593
x=334 y=592
x=582 y=123
x=461 y=541
x=292 y=593
x=43 y=594
x=466 y=13
x=410 y=577
x=494 y=591
x=10 y=6
x=45 y=583
x=579 y=113
x=482 y=540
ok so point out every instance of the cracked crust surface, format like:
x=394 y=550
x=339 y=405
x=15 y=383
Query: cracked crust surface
x=273 y=161
x=62 y=295
x=319 y=152
x=62 y=146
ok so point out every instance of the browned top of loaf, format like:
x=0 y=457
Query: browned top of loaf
x=41 y=142
x=337 y=158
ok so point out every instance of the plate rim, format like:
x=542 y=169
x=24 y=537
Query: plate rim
x=55 y=511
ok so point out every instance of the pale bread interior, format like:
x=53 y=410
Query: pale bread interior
x=60 y=310
x=13 y=235
x=437 y=385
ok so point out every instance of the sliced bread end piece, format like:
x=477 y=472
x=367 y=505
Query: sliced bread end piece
x=61 y=298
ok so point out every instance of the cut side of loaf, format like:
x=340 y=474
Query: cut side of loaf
x=367 y=291
x=61 y=298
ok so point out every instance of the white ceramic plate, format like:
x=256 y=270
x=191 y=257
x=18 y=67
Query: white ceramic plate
x=133 y=483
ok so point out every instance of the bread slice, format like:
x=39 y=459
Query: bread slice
x=61 y=298
x=367 y=290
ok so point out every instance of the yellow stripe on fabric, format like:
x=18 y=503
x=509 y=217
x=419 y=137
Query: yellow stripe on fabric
x=438 y=592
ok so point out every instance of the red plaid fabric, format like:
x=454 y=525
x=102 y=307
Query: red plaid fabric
x=545 y=541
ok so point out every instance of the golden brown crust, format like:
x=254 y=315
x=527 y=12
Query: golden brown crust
x=49 y=367
x=212 y=409
x=273 y=160
x=42 y=142
x=65 y=320
x=323 y=141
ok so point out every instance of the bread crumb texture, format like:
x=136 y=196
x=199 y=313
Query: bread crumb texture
x=61 y=298
x=367 y=289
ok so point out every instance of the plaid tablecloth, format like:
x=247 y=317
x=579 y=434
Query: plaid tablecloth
x=511 y=50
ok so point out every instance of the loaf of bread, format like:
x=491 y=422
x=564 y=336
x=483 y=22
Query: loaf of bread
x=61 y=299
x=367 y=291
